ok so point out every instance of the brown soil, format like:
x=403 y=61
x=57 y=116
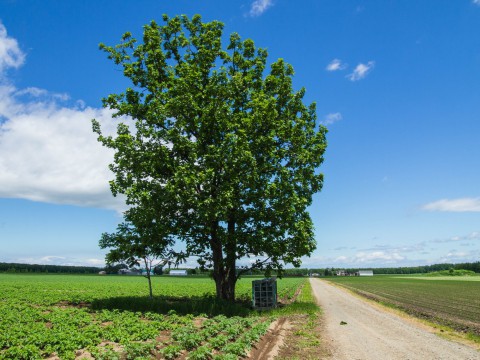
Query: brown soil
x=163 y=337
x=53 y=356
x=198 y=322
x=83 y=355
x=68 y=304
x=268 y=347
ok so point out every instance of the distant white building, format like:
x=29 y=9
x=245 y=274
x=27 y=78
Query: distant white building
x=365 y=273
x=178 y=273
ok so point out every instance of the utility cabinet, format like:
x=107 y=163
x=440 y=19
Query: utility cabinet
x=264 y=293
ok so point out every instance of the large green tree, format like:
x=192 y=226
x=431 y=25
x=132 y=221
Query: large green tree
x=225 y=147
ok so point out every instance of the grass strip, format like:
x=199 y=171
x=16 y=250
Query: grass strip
x=303 y=341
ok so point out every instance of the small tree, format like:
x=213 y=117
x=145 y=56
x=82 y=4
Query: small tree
x=140 y=240
x=230 y=153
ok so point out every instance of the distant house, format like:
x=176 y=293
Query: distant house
x=102 y=273
x=365 y=273
x=178 y=273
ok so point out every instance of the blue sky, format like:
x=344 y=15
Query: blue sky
x=397 y=83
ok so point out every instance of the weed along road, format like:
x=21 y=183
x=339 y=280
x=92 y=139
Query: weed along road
x=356 y=329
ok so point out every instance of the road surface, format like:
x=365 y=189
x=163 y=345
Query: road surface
x=357 y=330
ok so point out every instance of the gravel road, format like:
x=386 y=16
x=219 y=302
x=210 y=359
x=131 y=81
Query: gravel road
x=373 y=334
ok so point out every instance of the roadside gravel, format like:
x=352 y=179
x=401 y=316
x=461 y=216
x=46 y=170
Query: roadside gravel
x=355 y=329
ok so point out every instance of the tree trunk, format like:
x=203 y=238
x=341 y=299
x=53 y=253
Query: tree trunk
x=231 y=257
x=223 y=272
x=225 y=286
x=150 y=284
x=148 y=278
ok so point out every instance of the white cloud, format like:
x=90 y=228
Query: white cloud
x=455 y=256
x=335 y=65
x=377 y=256
x=10 y=54
x=476 y=2
x=258 y=7
x=58 y=260
x=48 y=151
x=472 y=236
x=360 y=259
x=51 y=259
x=332 y=118
x=95 y=262
x=50 y=154
x=454 y=205
x=360 y=71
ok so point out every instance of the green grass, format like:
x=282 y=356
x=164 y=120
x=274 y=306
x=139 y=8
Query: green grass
x=443 y=277
x=45 y=314
x=305 y=340
x=450 y=301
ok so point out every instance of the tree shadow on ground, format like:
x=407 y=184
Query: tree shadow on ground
x=197 y=305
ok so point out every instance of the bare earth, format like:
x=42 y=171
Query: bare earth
x=373 y=334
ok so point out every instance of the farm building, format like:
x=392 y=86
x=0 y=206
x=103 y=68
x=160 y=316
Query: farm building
x=178 y=272
x=365 y=273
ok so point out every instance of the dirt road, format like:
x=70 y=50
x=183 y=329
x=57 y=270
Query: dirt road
x=369 y=333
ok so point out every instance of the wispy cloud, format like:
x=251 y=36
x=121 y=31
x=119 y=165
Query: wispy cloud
x=58 y=260
x=476 y=2
x=377 y=256
x=359 y=259
x=258 y=7
x=395 y=249
x=454 y=205
x=470 y=237
x=360 y=71
x=455 y=256
x=10 y=54
x=332 y=118
x=49 y=152
x=335 y=65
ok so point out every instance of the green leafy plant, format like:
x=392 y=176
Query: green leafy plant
x=171 y=351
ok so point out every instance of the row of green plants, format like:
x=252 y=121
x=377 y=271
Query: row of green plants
x=114 y=334
x=53 y=315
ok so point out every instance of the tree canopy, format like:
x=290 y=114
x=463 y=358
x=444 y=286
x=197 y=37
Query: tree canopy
x=225 y=150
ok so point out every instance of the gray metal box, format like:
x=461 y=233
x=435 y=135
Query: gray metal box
x=264 y=293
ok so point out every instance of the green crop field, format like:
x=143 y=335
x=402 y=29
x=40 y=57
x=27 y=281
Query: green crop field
x=111 y=317
x=450 y=301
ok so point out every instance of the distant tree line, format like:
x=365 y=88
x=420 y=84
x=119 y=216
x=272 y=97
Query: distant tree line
x=475 y=267
x=63 y=269
x=56 y=269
